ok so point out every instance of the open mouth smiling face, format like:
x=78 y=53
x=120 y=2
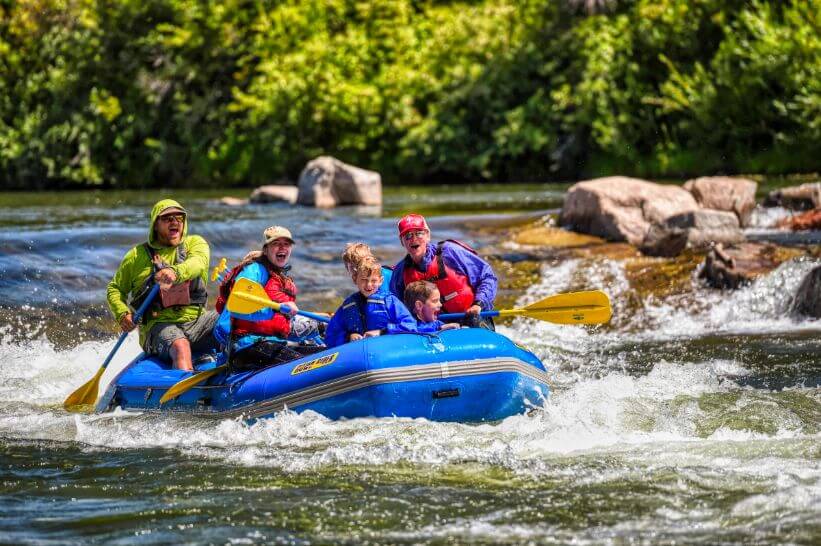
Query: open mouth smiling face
x=368 y=284
x=169 y=228
x=279 y=252
x=416 y=243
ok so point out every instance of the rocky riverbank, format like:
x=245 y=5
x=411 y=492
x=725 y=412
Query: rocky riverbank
x=668 y=238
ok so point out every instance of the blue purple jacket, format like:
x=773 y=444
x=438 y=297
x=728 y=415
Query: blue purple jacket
x=479 y=273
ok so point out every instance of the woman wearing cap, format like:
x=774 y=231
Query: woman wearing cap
x=261 y=338
x=465 y=281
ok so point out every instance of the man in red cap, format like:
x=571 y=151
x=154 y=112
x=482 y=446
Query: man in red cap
x=465 y=281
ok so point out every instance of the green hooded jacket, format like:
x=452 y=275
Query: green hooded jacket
x=136 y=266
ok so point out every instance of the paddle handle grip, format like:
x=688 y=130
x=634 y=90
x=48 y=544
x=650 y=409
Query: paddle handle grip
x=451 y=316
x=283 y=308
x=135 y=319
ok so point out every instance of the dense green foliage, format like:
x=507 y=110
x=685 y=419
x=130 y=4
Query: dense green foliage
x=179 y=92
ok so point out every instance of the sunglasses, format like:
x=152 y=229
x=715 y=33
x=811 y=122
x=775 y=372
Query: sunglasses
x=413 y=234
x=168 y=218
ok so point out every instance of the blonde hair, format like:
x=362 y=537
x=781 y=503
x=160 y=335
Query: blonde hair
x=353 y=254
x=366 y=266
x=418 y=291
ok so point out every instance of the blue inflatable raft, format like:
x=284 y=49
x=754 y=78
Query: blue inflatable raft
x=465 y=375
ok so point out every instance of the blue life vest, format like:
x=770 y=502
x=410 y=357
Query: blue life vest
x=360 y=315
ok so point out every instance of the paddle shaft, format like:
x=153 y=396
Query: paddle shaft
x=281 y=307
x=319 y=318
x=451 y=316
x=135 y=319
x=525 y=311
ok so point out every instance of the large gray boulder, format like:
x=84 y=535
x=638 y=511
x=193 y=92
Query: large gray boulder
x=736 y=195
x=619 y=208
x=327 y=182
x=695 y=229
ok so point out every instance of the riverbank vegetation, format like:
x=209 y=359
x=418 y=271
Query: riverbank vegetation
x=240 y=92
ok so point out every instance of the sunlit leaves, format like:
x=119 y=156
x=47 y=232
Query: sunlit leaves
x=140 y=92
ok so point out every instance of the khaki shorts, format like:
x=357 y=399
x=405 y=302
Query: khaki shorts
x=199 y=332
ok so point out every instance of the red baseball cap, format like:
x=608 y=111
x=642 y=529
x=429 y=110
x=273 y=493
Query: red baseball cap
x=412 y=222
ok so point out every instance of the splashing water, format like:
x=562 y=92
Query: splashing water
x=688 y=419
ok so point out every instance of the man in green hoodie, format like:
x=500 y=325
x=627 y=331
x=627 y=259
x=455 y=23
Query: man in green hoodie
x=176 y=321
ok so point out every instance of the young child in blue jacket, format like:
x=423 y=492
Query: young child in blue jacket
x=423 y=300
x=371 y=311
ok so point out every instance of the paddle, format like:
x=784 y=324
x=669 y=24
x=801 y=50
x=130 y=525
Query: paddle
x=218 y=269
x=84 y=397
x=246 y=297
x=589 y=307
x=189 y=382
x=249 y=297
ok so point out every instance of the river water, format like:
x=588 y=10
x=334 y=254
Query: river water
x=690 y=419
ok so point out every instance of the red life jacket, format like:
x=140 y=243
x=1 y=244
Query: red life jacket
x=279 y=287
x=455 y=291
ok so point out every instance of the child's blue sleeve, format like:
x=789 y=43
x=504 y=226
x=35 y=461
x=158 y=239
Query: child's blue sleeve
x=399 y=318
x=335 y=334
x=429 y=327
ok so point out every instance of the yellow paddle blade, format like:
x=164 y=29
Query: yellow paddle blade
x=249 y=297
x=219 y=268
x=189 y=382
x=589 y=307
x=82 y=400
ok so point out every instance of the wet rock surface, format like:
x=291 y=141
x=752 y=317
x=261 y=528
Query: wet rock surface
x=554 y=237
x=696 y=229
x=524 y=248
x=736 y=265
x=807 y=301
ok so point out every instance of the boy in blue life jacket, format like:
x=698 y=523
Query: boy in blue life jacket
x=371 y=311
x=423 y=300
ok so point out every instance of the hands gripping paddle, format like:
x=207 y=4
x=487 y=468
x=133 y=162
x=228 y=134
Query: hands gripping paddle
x=84 y=397
x=249 y=297
x=246 y=297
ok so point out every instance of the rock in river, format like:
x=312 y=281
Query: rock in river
x=620 y=208
x=327 y=182
x=736 y=265
x=736 y=195
x=697 y=229
x=274 y=193
x=807 y=300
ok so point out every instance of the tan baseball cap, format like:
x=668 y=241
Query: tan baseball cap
x=276 y=232
x=172 y=210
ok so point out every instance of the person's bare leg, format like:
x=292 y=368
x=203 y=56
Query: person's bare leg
x=181 y=354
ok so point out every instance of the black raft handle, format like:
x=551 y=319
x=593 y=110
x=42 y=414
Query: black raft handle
x=447 y=393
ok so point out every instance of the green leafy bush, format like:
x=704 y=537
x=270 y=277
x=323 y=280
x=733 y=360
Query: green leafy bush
x=239 y=92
